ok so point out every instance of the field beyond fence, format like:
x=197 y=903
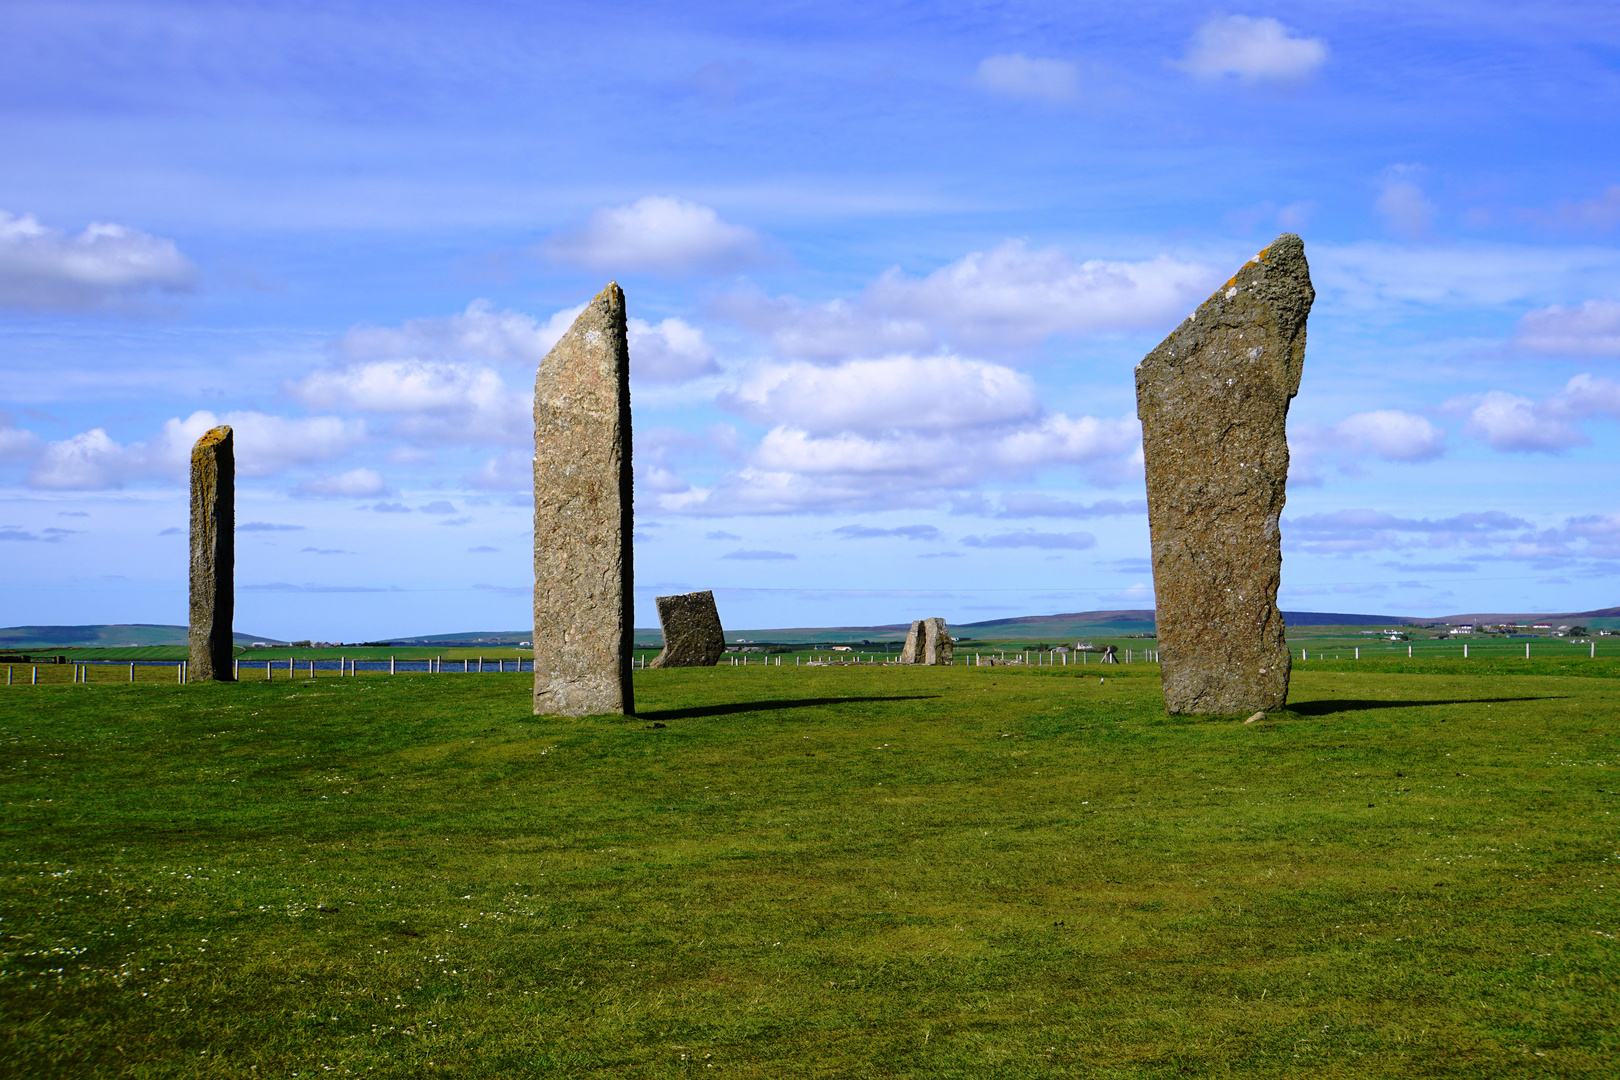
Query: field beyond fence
x=866 y=871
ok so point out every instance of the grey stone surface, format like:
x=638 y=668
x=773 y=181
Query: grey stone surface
x=213 y=555
x=583 y=563
x=915 y=643
x=1213 y=399
x=693 y=636
x=928 y=642
x=939 y=647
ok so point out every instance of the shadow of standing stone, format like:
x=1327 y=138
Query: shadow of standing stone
x=213 y=555
x=693 y=636
x=1213 y=400
x=583 y=563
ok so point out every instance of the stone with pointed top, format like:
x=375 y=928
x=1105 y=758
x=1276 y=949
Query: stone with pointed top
x=583 y=563
x=1213 y=400
x=693 y=636
x=213 y=556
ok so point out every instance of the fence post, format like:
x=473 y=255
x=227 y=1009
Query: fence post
x=1465 y=650
x=36 y=674
x=390 y=665
x=1527 y=650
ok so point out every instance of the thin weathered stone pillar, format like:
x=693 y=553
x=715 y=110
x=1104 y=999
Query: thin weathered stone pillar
x=693 y=636
x=1213 y=400
x=583 y=575
x=213 y=555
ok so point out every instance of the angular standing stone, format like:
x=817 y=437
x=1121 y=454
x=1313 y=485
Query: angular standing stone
x=1213 y=400
x=916 y=643
x=583 y=582
x=693 y=636
x=927 y=643
x=213 y=555
x=939 y=648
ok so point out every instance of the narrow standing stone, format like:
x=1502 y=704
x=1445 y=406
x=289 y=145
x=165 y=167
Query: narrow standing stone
x=693 y=636
x=916 y=643
x=1213 y=401
x=939 y=648
x=583 y=582
x=213 y=555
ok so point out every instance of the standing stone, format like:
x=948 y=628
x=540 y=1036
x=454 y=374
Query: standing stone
x=1213 y=401
x=213 y=555
x=693 y=636
x=916 y=643
x=927 y=643
x=583 y=586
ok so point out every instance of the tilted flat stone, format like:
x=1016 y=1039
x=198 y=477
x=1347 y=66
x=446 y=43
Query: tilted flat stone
x=583 y=563
x=1213 y=400
x=693 y=636
x=939 y=648
x=213 y=555
x=916 y=640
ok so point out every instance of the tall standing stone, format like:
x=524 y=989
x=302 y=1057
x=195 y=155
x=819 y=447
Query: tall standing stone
x=583 y=563
x=693 y=636
x=213 y=555
x=1213 y=401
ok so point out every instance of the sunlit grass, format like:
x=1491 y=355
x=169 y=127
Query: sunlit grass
x=783 y=872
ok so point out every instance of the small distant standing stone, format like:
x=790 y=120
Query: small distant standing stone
x=1213 y=400
x=583 y=562
x=693 y=636
x=213 y=555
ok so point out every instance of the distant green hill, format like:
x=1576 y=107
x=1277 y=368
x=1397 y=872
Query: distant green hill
x=104 y=635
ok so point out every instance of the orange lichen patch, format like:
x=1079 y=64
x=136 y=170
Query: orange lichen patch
x=214 y=436
x=1259 y=256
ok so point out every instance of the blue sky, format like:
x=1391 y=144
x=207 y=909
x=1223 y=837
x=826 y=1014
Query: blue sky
x=890 y=266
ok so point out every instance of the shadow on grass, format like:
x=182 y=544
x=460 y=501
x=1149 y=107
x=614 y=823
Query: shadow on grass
x=1339 y=705
x=766 y=706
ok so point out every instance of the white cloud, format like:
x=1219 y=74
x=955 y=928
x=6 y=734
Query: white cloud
x=43 y=268
x=433 y=402
x=264 y=445
x=899 y=432
x=660 y=234
x=1392 y=435
x=1020 y=76
x=17 y=444
x=85 y=462
x=1591 y=328
x=1252 y=50
x=479 y=333
x=1513 y=422
x=1406 y=210
x=1008 y=296
x=671 y=351
x=935 y=393
x=1012 y=291
x=356 y=484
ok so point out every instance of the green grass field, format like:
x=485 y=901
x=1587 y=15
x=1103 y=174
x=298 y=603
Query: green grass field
x=783 y=872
